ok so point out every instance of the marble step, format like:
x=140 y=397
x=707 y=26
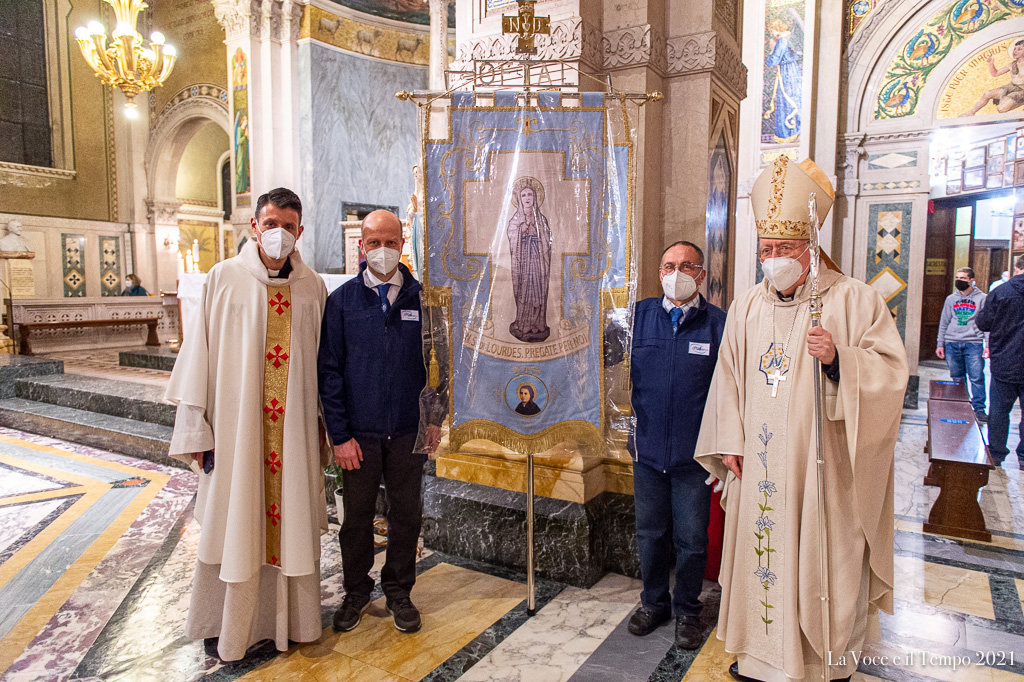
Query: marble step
x=148 y=358
x=127 y=399
x=14 y=367
x=116 y=434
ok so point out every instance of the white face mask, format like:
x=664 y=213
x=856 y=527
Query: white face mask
x=678 y=286
x=277 y=243
x=383 y=260
x=782 y=272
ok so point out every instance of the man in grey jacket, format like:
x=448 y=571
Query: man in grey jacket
x=960 y=342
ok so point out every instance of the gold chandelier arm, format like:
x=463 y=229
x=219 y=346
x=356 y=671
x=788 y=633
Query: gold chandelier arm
x=155 y=63
x=125 y=54
x=127 y=12
x=100 y=48
x=168 y=64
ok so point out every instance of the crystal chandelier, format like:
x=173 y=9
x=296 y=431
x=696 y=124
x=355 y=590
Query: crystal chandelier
x=124 y=63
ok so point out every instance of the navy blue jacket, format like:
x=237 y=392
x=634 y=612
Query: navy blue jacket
x=1002 y=317
x=371 y=366
x=671 y=375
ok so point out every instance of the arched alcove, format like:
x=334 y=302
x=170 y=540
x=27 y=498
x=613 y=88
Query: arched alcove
x=169 y=140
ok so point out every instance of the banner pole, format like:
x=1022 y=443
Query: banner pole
x=530 y=586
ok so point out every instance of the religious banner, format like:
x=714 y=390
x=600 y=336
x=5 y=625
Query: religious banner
x=528 y=265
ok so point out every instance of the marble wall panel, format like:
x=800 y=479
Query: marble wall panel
x=888 y=258
x=110 y=266
x=363 y=141
x=73 y=250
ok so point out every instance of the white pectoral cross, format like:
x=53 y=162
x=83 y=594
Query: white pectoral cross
x=775 y=376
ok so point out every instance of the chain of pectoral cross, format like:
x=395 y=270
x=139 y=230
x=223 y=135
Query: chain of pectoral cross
x=776 y=376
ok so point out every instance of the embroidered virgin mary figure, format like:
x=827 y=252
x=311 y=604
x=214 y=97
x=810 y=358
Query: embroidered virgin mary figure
x=529 y=238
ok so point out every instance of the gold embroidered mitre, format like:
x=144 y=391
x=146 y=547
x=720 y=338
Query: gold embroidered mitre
x=780 y=196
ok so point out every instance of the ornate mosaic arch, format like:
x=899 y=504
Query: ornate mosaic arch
x=901 y=87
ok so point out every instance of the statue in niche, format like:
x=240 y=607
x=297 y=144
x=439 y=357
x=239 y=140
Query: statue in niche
x=1010 y=96
x=13 y=242
x=414 y=221
x=529 y=237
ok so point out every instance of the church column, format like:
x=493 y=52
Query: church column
x=438 y=43
x=262 y=52
x=163 y=224
x=825 y=107
x=634 y=56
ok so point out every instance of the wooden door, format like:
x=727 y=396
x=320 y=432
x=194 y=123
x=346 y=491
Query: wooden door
x=938 y=275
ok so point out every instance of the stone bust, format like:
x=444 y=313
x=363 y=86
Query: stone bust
x=13 y=241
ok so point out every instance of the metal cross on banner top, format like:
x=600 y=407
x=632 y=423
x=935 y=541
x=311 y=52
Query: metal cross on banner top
x=526 y=25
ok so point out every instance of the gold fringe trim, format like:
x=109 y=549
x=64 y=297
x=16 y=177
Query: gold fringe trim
x=484 y=429
x=437 y=296
x=433 y=370
x=615 y=298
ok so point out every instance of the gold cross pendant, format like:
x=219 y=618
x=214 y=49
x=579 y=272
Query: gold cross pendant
x=526 y=25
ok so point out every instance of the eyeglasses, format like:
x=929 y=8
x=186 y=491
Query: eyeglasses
x=784 y=250
x=686 y=267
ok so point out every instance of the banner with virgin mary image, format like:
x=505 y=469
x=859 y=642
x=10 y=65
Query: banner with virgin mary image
x=527 y=264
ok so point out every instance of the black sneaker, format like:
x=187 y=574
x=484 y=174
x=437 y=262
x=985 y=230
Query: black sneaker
x=407 y=616
x=210 y=647
x=350 y=612
x=644 y=621
x=688 y=632
x=981 y=417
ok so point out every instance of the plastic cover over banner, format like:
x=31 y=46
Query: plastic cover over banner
x=528 y=268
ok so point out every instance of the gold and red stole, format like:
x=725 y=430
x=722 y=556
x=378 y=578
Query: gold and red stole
x=275 y=391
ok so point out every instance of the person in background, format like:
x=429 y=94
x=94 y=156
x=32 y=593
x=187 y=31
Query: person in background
x=675 y=346
x=134 y=287
x=960 y=343
x=1003 y=319
x=1002 y=280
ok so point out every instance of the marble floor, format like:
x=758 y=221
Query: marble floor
x=102 y=363
x=97 y=552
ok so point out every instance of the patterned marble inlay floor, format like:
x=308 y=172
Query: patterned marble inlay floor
x=103 y=363
x=97 y=552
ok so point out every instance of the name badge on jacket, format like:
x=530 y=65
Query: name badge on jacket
x=414 y=316
x=700 y=348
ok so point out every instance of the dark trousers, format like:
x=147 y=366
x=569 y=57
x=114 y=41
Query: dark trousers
x=402 y=471
x=672 y=514
x=1001 y=399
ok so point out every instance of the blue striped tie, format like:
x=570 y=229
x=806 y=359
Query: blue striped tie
x=385 y=304
x=677 y=314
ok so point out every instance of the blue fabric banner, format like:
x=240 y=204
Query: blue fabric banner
x=528 y=264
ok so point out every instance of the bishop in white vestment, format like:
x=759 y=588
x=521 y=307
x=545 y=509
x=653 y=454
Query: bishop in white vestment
x=759 y=423
x=245 y=384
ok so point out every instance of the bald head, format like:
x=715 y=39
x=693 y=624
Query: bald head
x=381 y=229
x=379 y=220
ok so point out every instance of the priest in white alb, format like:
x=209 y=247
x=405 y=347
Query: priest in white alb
x=758 y=436
x=245 y=385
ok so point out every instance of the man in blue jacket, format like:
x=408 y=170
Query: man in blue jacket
x=675 y=347
x=1003 y=318
x=371 y=374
